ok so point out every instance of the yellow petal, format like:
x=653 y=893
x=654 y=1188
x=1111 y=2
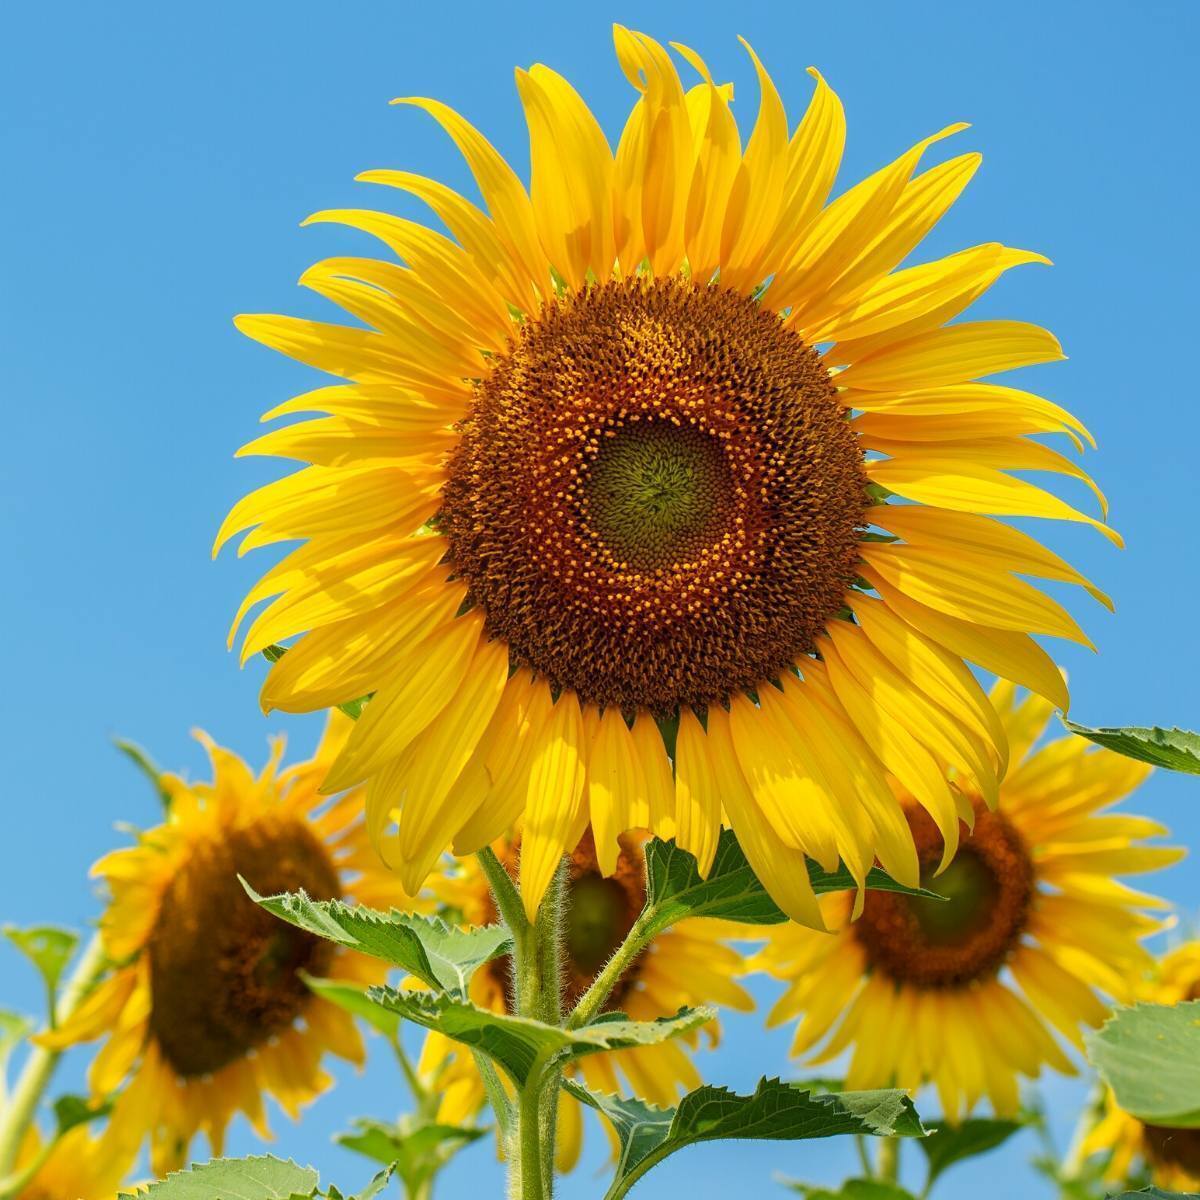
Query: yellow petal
x=953 y=354
x=554 y=800
x=697 y=803
x=613 y=786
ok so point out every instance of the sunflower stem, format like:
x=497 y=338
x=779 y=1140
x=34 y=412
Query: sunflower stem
x=504 y=892
x=887 y=1162
x=39 y=1067
x=591 y=1003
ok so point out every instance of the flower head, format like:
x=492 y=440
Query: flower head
x=967 y=994
x=656 y=496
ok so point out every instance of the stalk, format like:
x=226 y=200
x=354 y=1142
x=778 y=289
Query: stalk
x=39 y=1067
x=888 y=1160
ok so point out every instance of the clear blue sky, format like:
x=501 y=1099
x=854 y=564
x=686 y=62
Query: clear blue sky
x=158 y=159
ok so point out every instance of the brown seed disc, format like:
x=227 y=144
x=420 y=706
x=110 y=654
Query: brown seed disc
x=944 y=944
x=223 y=971
x=656 y=499
x=1179 y=1148
x=600 y=912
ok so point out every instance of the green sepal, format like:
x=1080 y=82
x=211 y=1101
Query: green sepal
x=71 y=1110
x=775 y=1111
x=1149 y=1055
x=414 y=1148
x=148 y=767
x=441 y=955
x=259 y=1177
x=49 y=948
x=519 y=1044
x=949 y=1144
x=675 y=890
x=1175 y=749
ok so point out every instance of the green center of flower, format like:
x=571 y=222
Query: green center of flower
x=967 y=936
x=658 y=494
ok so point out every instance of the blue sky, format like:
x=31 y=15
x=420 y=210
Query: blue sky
x=158 y=160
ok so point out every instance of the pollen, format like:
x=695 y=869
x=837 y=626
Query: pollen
x=656 y=498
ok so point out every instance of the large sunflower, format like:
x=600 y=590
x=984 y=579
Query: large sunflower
x=606 y=512
x=966 y=994
x=690 y=964
x=206 y=1014
x=1171 y=1155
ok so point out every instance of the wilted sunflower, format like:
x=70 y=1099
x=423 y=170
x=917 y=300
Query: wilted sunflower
x=1172 y=1155
x=81 y=1166
x=206 y=1013
x=690 y=964
x=593 y=516
x=965 y=993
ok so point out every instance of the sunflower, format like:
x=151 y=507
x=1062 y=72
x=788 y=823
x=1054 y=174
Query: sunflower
x=688 y=965
x=1035 y=931
x=206 y=1011
x=80 y=1166
x=657 y=497
x=1172 y=1155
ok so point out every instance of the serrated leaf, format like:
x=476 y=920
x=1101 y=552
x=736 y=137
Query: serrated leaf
x=1153 y=1193
x=852 y=1189
x=355 y=1001
x=260 y=1177
x=48 y=947
x=1175 y=749
x=352 y=708
x=71 y=1110
x=1150 y=1056
x=675 y=890
x=417 y=1149
x=439 y=954
x=775 y=1111
x=950 y=1144
x=516 y=1044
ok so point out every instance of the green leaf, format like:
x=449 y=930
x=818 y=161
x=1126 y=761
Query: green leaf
x=417 y=1149
x=48 y=947
x=775 y=1111
x=352 y=708
x=1150 y=1056
x=355 y=1001
x=675 y=889
x=1175 y=749
x=262 y=1177
x=1154 y=1194
x=71 y=1110
x=377 y=1184
x=950 y=1144
x=439 y=954
x=518 y=1044
x=852 y=1189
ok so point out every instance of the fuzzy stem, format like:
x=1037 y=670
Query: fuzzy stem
x=592 y=1001
x=887 y=1163
x=39 y=1066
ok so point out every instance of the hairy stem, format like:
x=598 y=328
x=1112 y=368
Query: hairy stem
x=39 y=1067
x=591 y=1003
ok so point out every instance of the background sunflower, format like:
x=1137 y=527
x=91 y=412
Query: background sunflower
x=205 y=1013
x=968 y=994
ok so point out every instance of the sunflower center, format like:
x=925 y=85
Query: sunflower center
x=968 y=936
x=224 y=973
x=656 y=498
x=600 y=912
x=1178 y=1148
